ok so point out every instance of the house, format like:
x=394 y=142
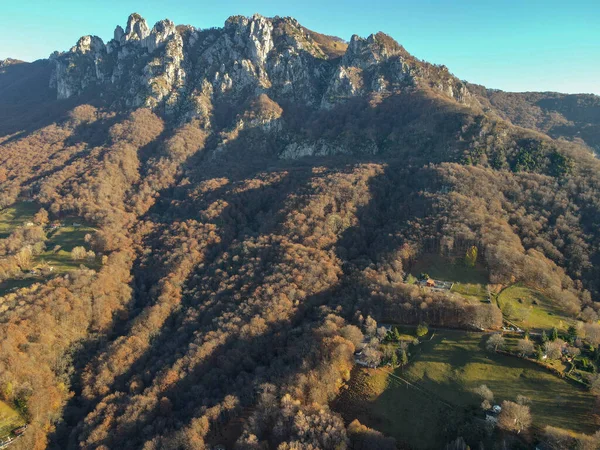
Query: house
x=19 y=431
x=75 y=224
x=497 y=409
x=430 y=283
x=29 y=224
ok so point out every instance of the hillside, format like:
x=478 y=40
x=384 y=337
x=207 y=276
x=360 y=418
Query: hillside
x=247 y=200
x=572 y=116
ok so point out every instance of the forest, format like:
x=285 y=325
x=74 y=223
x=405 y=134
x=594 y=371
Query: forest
x=228 y=287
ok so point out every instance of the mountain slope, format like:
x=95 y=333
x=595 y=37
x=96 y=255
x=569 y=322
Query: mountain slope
x=259 y=190
x=572 y=116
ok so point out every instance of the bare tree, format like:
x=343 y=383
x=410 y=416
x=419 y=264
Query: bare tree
x=372 y=357
x=495 y=342
x=370 y=326
x=353 y=334
x=487 y=396
x=526 y=347
x=553 y=349
x=78 y=253
x=514 y=417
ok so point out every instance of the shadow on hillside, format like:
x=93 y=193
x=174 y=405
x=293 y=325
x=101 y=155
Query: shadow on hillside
x=27 y=102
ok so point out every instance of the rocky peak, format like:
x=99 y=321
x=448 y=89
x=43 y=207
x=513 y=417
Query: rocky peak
x=88 y=44
x=253 y=34
x=376 y=48
x=160 y=33
x=137 y=28
x=119 y=33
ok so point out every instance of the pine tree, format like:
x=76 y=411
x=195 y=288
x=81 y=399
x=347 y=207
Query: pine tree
x=394 y=360
x=544 y=337
x=539 y=354
x=403 y=358
x=554 y=335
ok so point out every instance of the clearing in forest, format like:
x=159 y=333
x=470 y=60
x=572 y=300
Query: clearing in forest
x=61 y=238
x=470 y=282
x=530 y=309
x=15 y=216
x=442 y=405
x=9 y=420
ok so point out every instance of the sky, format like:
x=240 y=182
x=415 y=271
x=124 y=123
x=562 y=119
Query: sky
x=513 y=45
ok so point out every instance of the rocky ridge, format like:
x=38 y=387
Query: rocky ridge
x=179 y=68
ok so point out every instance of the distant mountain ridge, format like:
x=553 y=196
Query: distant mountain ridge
x=573 y=116
x=9 y=62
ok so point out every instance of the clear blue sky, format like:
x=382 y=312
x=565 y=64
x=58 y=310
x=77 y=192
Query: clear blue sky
x=514 y=45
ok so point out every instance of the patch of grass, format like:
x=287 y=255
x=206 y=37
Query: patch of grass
x=445 y=371
x=476 y=292
x=531 y=309
x=15 y=216
x=9 y=420
x=67 y=237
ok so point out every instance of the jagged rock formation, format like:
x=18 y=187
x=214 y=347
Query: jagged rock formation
x=171 y=66
x=185 y=73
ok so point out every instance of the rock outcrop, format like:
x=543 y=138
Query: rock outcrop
x=167 y=66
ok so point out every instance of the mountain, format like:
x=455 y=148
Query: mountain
x=201 y=226
x=571 y=116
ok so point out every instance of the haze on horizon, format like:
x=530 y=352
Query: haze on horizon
x=537 y=46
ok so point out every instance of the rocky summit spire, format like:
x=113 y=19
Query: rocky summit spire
x=119 y=33
x=137 y=28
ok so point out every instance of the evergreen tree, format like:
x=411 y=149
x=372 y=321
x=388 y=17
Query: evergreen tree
x=403 y=358
x=544 y=337
x=539 y=353
x=554 y=335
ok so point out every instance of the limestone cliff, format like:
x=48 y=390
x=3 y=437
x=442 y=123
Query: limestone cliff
x=169 y=67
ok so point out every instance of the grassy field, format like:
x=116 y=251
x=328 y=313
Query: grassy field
x=445 y=370
x=531 y=309
x=16 y=215
x=67 y=238
x=9 y=420
x=59 y=244
x=471 y=291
